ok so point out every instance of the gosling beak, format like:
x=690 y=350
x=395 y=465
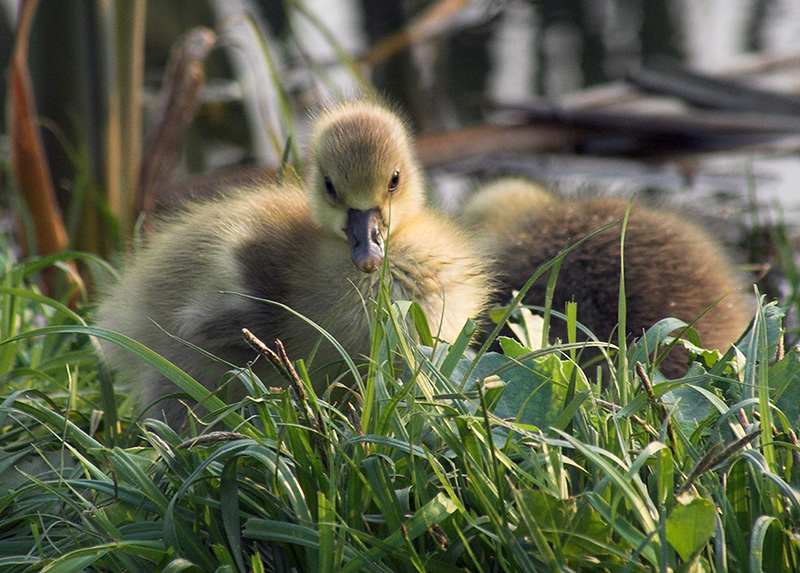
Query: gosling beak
x=366 y=243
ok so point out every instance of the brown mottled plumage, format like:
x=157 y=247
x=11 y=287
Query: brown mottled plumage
x=672 y=267
x=310 y=245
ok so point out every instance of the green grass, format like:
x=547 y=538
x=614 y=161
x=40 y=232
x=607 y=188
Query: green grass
x=448 y=459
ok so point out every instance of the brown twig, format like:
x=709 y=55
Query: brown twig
x=183 y=80
x=28 y=158
x=256 y=344
x=296 y=390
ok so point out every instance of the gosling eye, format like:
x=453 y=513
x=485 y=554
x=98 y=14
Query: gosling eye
x=330 y=189
x=394 y=181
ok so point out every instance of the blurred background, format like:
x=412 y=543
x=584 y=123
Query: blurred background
x=692 y=103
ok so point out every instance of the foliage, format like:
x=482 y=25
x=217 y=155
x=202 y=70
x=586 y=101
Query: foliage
x=445 y=458
x=498 y=462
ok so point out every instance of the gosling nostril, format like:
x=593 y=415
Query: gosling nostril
x=376 y=237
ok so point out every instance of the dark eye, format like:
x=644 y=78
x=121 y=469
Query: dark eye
x=329 y=188
x=394 y=181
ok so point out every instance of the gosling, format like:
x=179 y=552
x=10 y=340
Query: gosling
x=313 y=246
x=672 y=267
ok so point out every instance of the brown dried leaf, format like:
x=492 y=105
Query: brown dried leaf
x=28 y=159
x=183 y=80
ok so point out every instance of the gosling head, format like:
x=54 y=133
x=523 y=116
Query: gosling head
x=363 y=177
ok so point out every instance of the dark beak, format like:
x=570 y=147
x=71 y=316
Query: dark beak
x=366 y=244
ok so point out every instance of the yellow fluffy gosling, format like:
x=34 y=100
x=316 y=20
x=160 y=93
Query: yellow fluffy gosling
x=312 y=245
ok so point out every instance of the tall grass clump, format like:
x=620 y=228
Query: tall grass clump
x=443 y=459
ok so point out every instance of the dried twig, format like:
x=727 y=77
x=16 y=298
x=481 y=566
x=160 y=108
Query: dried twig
x=296 y=390
x=28 y=157
x=183 y=80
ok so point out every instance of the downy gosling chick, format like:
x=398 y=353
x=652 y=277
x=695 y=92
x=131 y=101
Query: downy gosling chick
x=312 y=245
x=672 y=267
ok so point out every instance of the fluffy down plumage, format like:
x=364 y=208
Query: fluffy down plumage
x=312 y=245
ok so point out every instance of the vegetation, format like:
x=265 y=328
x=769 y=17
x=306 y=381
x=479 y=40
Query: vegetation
x=490 y=462
x=446 y=457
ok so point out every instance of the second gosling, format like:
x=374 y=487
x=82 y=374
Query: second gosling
x=311 y=245
x=673 y=268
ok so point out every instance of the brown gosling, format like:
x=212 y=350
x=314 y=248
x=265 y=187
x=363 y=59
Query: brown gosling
x=313 y=246
x=673 y=268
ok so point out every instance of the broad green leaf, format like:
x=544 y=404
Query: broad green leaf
x=535 y=394
x=758 y=541
x=690 y=526
x=784 y=381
